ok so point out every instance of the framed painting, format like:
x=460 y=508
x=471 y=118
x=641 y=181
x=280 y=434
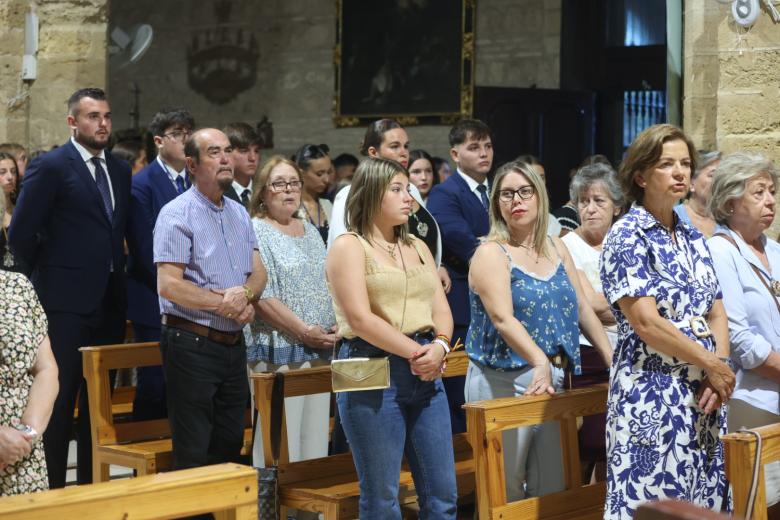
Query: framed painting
x=409 y=60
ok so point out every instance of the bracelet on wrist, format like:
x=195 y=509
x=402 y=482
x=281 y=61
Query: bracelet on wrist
x=249 y=293
x=443 y=344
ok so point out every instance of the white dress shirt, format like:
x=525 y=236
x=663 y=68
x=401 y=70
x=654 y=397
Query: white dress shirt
x=240 y=189
x=754 y=321
x=87 y=156
x=173 y=174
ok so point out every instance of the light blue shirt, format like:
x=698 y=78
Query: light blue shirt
x=215 y=244
x=754 y=322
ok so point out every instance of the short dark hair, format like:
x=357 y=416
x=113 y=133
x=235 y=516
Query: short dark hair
x=242 y=135
x=345 y=159
x=308 y=153
x=375 y=134
x=128 y=150
x=91 y=92
x=469 y=128
x=168 y=117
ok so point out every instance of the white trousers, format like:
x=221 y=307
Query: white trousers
x=533 y=465
x=307 y=418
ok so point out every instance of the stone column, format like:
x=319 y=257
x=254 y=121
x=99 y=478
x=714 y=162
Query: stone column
x=71 y=55
x=731 y=81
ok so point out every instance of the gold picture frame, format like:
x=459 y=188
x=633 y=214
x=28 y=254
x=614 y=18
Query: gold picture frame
x=411 y=60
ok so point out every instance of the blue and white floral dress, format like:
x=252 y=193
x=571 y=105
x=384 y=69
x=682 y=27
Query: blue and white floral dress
x=659 y=442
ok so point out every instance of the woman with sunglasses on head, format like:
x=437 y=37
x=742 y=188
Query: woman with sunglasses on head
x=387 y=139
x=526 y=303
x=389 y=303
x=294 y=327
x=315 y=163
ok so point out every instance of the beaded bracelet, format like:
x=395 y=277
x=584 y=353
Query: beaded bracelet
x=443 y=344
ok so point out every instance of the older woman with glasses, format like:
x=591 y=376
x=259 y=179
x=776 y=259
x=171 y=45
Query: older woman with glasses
x=295 y=324
x=748 y=266
x=526 y=302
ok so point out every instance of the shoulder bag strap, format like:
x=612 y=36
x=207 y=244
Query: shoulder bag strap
x=755 y=269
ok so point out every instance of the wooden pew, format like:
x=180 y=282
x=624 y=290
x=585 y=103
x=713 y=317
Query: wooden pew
x=144 y=446
x=230 y=490
x=740 y=450
x=329 y=485
x=486 y=422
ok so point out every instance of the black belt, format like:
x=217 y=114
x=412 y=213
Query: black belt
x=226 y=338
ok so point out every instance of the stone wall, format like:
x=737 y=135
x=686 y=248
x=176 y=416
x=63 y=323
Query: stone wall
x=732 y=81
x=71 y=54
x=517 y=46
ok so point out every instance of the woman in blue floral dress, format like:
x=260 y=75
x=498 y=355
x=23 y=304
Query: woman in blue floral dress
x=668 y=378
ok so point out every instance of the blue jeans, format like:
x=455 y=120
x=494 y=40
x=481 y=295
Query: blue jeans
x=410 y=418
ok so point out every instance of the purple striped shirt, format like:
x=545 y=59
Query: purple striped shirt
x=214 y=244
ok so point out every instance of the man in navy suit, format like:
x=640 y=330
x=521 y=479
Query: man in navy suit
x=246 y=156
x=460 y=206
x=152 y=188
x=69 y=227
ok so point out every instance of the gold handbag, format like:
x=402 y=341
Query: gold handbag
x=350 y=375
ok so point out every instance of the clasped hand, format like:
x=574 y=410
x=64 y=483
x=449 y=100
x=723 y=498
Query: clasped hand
x=427 y=362
x=318 y=337
x=541 y=380
x=716 y=387
x=234 y=305
x=14 y=446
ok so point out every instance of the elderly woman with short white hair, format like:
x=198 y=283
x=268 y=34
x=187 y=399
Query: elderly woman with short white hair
x=747 y=263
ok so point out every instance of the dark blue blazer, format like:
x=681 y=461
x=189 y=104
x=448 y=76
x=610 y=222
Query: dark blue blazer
x=462 y=220
x=60 y=229
x=151 y=190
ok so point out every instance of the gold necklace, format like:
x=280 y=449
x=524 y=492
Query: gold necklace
x=529 y=250
x=389 y=247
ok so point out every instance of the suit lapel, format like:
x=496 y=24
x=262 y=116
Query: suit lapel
x=80 y=168
x=469 y=198
x=163 y=182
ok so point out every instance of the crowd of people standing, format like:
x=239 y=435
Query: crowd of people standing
x=656 y=278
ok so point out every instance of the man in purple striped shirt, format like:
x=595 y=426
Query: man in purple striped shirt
x=209 y=273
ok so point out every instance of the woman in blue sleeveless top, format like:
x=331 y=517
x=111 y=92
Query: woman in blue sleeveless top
x=526 y=303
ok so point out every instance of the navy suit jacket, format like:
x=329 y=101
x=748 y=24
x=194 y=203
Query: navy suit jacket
x=151 y=190
x=61 y=231
x=462 y=220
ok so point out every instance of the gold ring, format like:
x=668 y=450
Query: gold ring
x=229 y=315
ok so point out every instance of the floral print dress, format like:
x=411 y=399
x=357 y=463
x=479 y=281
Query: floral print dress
x=23 y=326
x=659 y=442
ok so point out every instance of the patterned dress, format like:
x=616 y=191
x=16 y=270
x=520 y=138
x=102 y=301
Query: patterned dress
x=659 y=443
x=23 y=326
x=296 y=277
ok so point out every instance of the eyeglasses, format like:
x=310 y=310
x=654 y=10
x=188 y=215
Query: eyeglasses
x=178 y=135
x=525 y=193
x=280 y=186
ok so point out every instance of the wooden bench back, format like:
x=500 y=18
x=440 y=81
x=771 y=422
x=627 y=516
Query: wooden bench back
x=486 y=420
x=316 y=380
x=97 y=362
x=227 y=488
x=740 y=449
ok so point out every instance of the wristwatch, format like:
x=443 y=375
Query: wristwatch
x=28 y=431
x=249 y=293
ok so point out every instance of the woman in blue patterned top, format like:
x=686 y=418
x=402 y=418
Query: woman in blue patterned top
x=668 y=378
x=295 y=324
x=526 y=302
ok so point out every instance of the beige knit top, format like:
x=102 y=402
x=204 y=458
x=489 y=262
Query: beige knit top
x=403 y=299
